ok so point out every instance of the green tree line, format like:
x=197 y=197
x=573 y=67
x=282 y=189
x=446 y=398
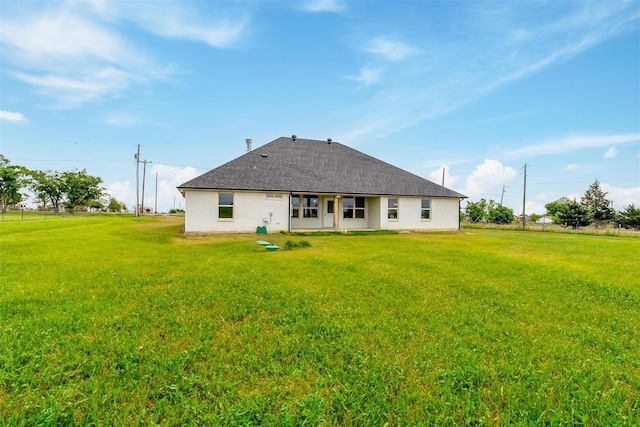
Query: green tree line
x=52 y=189
x=593 y=209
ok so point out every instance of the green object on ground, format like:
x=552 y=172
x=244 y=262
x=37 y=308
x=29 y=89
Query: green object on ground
x=272 y=247
x=262 y=243
x=261 y=229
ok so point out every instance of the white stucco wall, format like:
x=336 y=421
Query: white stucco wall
x=249 y=211
x=251 y=208
x=444 y=214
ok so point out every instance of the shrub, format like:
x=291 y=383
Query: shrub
x=290 y=244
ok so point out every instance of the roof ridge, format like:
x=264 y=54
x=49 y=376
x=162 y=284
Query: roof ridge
x=312 y=165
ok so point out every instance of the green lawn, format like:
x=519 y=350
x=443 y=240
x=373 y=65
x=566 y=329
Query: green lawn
x=116 y=320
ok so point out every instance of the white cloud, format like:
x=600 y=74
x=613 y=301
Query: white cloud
x=70 y=57
x=169 y=177
x=571 y=167
x=390 y=49
x=488 y=178
x=75 y=52
x=532 y=207
x=324 y=5
x=10 y=116
x=564 y=145
x=123 y=192
x=495 y=49
x=621 y=197
x=449 y=180
x=75 y=89
x=62 y=40
x=177 y=20
x=367 y=76
x=611 y=153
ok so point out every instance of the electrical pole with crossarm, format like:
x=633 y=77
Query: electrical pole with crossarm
x=136 y=156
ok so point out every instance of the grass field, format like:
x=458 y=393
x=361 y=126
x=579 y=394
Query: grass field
x=117 y=320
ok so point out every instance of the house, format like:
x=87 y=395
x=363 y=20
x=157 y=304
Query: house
x=302 y=184
x=545 y=219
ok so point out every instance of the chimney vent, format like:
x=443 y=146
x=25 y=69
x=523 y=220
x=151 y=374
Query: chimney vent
x=249 y=141
x=293 y=137
x=329 y=140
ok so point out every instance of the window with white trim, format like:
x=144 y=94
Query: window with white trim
x=225 y=205
x=392 y=208
x=425 y=209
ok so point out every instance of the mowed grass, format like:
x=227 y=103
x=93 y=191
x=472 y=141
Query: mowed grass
x=117 y=320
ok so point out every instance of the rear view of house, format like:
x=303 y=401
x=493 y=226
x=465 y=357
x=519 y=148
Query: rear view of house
x=302 y=184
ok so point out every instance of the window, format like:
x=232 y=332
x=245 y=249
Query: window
x=295 y=206
x=353 y=207
x=359 y=207
x=425 y=209
x=329 y=206
x=310 y=206
x=225 y=205
x=392 y=208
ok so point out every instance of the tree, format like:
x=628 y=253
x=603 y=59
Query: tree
x=574 y=214
x=599 y=207
x=81 y=189
x=47 y=186
x=500 y=215
x=11 y=181
x=554 y=208
x=95 y=205
x=630 y=217
x=476 y=211
x=115 y=206
x=534 y=217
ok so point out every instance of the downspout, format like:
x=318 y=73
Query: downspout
x=336 y=201
x=289 y=220
x=459 y=210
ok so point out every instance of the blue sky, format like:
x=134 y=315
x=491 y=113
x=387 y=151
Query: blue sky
x=476 y=88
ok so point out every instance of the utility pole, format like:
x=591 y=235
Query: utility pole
x=524 y=196
x=155 y=206
x=137 y=157
x=504 y=187
x=144 y=173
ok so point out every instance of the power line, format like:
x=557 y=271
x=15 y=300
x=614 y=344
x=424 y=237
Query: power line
x=110 y=162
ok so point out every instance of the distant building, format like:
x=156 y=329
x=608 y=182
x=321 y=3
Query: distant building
x=545 y=220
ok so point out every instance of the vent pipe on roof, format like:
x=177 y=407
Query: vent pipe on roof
x=329 y=140
x=249 y=141
x=293 y=137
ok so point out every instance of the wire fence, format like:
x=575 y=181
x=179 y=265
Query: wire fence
x=613 y=228
x=41 y=215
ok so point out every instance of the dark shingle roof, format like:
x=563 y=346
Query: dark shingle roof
x=311 y=166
